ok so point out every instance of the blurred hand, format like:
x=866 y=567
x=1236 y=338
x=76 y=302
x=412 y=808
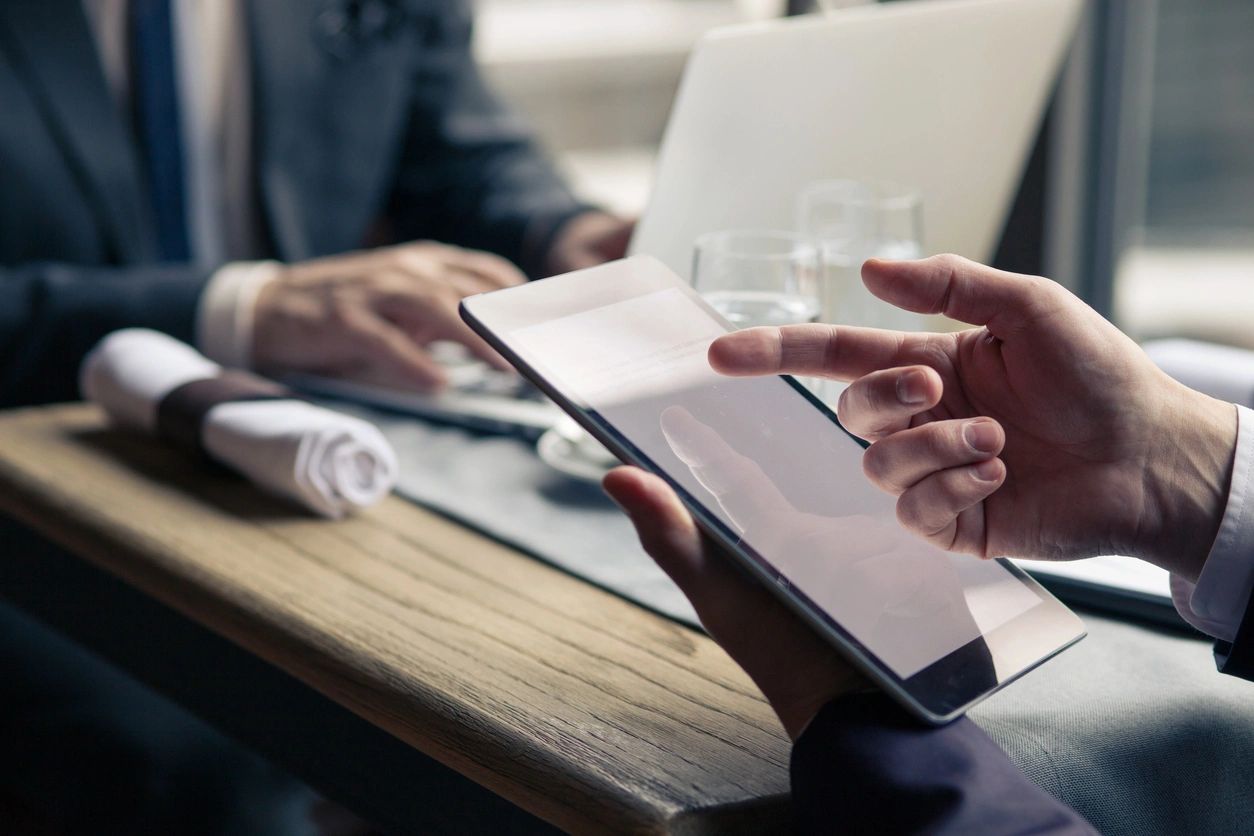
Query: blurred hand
x=1043 y=433
x=588 y=240
x=796 y=670
x=369 y=315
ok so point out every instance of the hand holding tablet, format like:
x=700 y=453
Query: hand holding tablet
x=770 y=476
x=918 y=432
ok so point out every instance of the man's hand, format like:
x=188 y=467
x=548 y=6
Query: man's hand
x=369 y=315
x=1044 y=433
x=588 y=240
x=797 y=671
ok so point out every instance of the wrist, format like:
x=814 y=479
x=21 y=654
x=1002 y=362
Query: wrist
x=226 y=316
x=273 y=319
x=797 y=707
x=585 y=239
x=1186 y=483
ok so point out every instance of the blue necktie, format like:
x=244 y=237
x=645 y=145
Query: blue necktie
x=154 y=88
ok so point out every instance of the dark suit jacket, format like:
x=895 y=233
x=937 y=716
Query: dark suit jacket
x=864 y=766
x=1236 y=657
x=387 y=128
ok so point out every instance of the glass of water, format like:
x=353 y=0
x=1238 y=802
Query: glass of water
x=852 y=221
x=758 y=277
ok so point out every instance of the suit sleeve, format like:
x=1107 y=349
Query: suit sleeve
x=864 y=766
x=1236 y=658
x=470 y=171
x=52 y=314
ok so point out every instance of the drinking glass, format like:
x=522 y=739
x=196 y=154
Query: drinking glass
x=852 y=221
x=758 y=277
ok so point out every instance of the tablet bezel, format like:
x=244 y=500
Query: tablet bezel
x=938 y=693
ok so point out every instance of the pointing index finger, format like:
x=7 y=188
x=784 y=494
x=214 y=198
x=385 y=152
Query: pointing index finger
x=839 y=352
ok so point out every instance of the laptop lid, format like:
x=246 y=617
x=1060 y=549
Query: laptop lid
x=940 y=95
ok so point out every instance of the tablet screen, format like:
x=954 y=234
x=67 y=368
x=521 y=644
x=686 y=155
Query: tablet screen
x=777 y=474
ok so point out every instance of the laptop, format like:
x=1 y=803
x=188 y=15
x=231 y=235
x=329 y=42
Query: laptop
x=944 y=96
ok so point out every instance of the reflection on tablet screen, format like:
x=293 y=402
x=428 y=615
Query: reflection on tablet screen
x=777 y=473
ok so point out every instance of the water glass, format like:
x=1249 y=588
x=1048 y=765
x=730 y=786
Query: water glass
x=852 y=221
x=758 y=277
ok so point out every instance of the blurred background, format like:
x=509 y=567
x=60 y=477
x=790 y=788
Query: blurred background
x=1139 y=194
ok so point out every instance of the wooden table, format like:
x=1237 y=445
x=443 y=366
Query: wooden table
x=585 y=711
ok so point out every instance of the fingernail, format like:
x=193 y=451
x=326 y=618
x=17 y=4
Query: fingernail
x=988 y=471
x=981 y=436
x=912 y=388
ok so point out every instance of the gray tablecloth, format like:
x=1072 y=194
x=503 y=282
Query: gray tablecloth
x=499 y=486
x=1133 y=727
x=1136 y=730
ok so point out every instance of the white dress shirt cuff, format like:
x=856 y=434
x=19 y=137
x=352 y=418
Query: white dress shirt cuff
x=1216 y=604
x=224 y=320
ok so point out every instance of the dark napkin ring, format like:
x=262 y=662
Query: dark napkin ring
x=181 y=413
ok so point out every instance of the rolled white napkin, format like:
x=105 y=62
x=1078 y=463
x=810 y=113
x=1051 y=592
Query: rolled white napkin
x=1220 y=371
x=333 y=464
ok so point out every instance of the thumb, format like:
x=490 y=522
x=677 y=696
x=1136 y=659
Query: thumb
x=671 y=537
x=664 y=526
x=961 y=289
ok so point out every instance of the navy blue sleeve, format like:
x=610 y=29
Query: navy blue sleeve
x=865 y=766
x=52 y=314
x=471 y=172
x=1236 y=658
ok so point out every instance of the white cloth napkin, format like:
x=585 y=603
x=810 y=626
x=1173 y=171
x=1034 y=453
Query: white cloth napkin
x=333 y=464
x=1220 y=371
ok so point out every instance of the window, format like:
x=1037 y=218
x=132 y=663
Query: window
x=1152 y=173
x=1189 y=266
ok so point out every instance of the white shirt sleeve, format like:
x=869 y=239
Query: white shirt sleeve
x=1216 y=604
x=224 y=318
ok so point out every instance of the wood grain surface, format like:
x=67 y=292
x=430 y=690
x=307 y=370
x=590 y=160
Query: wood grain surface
x=584 y=709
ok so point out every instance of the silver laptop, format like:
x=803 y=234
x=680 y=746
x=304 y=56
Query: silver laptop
x=940 y=95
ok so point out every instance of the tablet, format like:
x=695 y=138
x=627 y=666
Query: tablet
x=767 y=470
